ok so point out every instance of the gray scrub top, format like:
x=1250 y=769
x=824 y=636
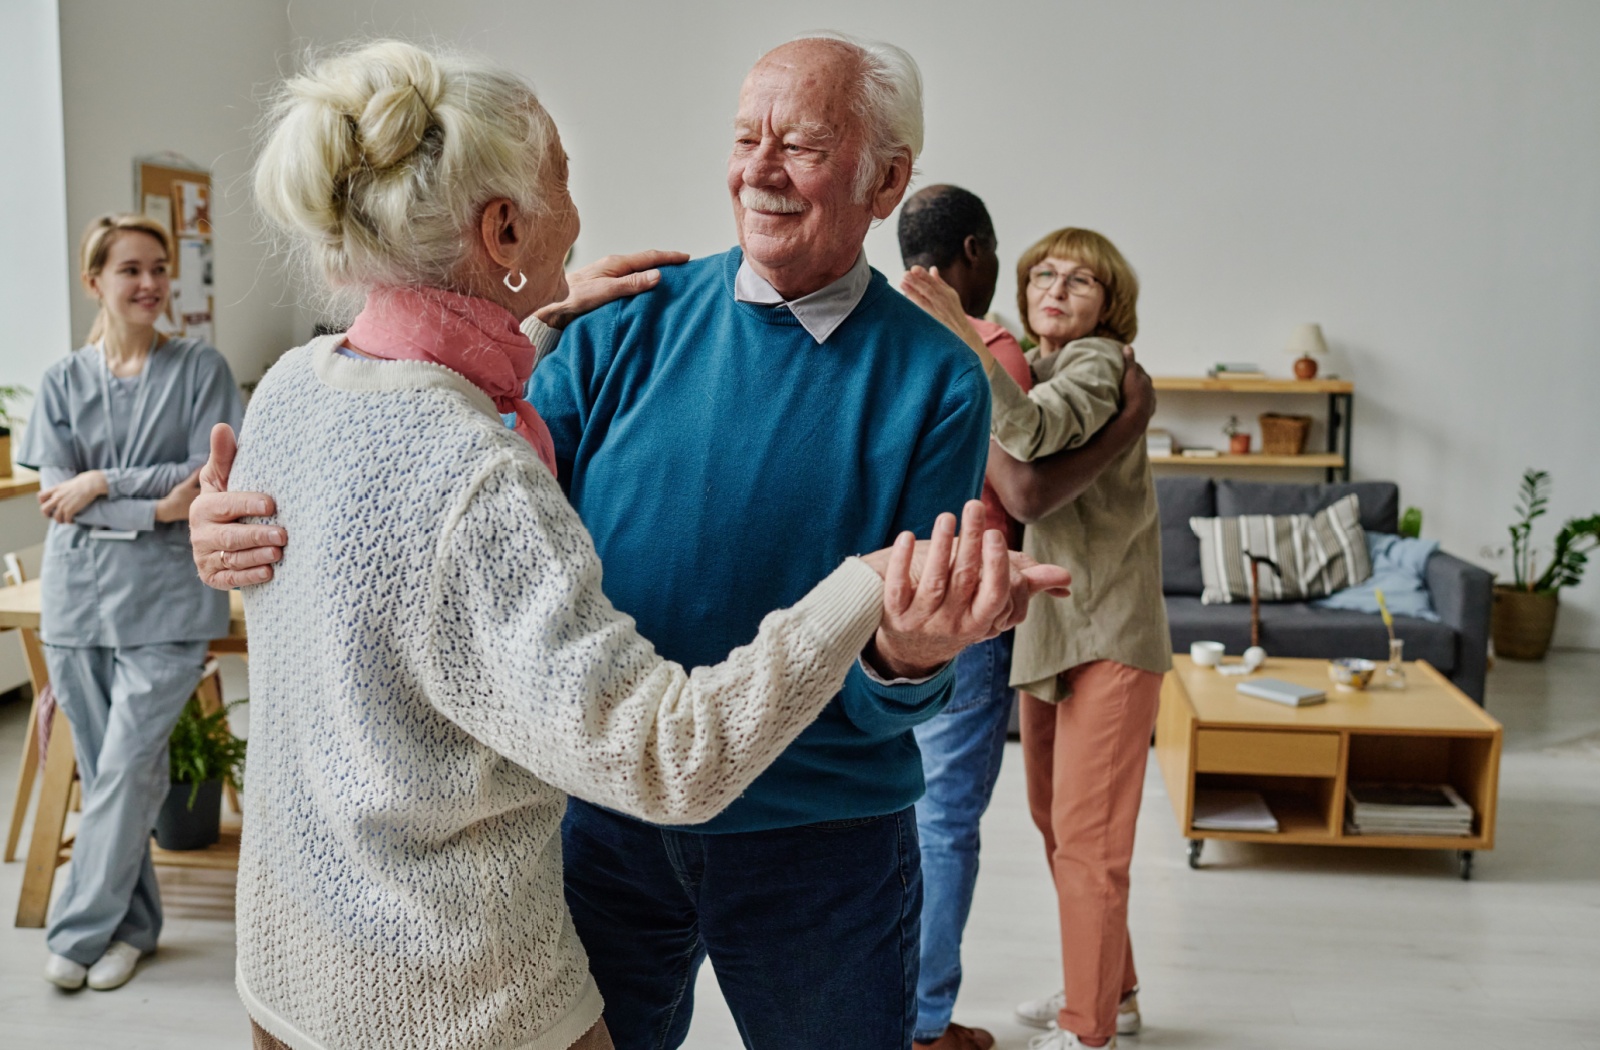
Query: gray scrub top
x=154 y=431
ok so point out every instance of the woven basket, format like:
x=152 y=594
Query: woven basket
x=1284 y=435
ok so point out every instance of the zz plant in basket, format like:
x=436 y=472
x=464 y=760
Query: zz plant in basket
x=1525 y=610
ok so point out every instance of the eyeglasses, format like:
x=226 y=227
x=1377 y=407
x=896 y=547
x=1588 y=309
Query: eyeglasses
x=1079 y=282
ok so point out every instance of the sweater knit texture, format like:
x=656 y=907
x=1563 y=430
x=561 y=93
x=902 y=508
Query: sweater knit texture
x=724 y=461
x=433 y=668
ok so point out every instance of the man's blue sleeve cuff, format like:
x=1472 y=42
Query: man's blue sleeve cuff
x=884 y=710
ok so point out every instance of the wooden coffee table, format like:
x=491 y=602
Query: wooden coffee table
x=1301 y=758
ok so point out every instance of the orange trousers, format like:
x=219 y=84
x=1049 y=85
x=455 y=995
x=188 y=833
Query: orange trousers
x=1085 y=760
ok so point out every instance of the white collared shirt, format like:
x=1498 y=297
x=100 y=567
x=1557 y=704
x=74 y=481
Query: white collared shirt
x=820 y=313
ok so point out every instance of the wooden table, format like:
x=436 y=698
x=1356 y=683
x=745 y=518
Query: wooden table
x=22 y=482
x=1302 y=758
x=48 y=848
x=19 y=607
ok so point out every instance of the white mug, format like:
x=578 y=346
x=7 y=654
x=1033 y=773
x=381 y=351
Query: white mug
x=1206 y=654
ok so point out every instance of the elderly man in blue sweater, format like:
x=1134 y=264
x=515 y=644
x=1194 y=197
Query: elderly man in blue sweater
x=727 y=438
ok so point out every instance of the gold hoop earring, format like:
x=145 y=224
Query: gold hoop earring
x=522 y=281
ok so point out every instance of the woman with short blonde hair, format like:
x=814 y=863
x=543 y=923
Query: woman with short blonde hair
x=117 y=434
x=434 y=665
x=1089 y=665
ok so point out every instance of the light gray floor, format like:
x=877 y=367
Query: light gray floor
x=1266 y=947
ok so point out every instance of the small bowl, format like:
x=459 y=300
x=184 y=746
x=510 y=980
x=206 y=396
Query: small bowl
x=1350 y=672
x=1206 y=654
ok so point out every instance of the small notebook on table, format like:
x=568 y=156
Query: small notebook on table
x=1281 y=692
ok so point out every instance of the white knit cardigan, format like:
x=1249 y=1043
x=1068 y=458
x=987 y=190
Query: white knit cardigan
x=433 y=669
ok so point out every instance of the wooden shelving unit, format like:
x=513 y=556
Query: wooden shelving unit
x=1328 y=461
x=1334 y=462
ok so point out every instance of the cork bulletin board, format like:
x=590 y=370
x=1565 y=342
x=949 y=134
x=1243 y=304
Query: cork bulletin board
x=178 y=195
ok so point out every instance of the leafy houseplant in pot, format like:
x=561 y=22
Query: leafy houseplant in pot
x=203 y=753
x=1525 y=609
x=9 y=396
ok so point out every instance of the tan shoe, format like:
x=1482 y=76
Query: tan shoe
x=959 y=1037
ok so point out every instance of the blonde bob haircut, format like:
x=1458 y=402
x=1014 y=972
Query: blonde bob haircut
x=95 y=250
x=377 y=160
x=1121 y=284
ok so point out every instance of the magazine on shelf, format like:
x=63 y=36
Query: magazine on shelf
x=1219 y=810
x=1406 y=809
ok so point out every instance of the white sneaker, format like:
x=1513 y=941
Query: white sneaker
x=1128 y=1020
x=1041 y=1013
x=1057 y=1039
x=63 y=972
x=114 y=967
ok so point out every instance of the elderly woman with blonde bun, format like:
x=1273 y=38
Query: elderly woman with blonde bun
x=117 y=434
x=434 y=665
x=1089 y=664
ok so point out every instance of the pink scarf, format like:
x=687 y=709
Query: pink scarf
x=465 y=334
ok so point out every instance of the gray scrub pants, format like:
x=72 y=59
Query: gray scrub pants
x=121 y=704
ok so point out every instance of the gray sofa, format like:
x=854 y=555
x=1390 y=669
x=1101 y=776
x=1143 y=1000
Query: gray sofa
x=1462 y=593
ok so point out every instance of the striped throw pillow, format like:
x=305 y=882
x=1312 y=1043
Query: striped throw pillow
x=1316 y=554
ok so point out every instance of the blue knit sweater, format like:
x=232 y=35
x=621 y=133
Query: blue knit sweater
x=724 y=462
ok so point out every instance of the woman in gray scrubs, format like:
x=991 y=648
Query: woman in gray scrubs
x=118 y=432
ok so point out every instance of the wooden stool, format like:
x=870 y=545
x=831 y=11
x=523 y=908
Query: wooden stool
x=48 y=846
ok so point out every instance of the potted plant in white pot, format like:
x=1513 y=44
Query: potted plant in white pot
x=10 y=397
x=203 y=753
x=1525 y=610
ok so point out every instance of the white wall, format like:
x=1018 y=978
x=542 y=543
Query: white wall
x=33 y=263
x=185 y=76
x=1420 y=178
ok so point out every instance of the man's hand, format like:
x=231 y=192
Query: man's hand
x=1138 y=390
x=66 y=501
x=969 y=590
x=174 y=506
x=227 y=553
x=613 y=277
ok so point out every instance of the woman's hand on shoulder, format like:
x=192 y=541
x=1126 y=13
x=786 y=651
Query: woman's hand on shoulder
x=615 y=276
x=943 y=303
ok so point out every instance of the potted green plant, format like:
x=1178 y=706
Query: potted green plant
x=203 y=754
x=9 y=397
x=1525 y=609
x=1238 y=437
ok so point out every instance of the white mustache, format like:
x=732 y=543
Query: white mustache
x=763 y=200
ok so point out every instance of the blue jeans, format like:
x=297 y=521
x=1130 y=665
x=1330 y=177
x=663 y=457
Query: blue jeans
x=961 y=751
x=812 y=930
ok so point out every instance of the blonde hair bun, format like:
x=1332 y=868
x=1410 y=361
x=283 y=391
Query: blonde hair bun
x=377 y=158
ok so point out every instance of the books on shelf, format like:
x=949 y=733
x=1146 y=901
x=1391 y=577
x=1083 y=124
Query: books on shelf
x=1281 y=692
x=1406 y=809
x=1235 y=370
x=1200 y=452
x=1218 y=810
x=1158 y=442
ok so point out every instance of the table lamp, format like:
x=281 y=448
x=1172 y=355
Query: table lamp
x=1306 y=341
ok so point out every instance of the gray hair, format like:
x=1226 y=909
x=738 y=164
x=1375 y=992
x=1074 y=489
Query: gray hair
x=377 y=159
x=889 y=103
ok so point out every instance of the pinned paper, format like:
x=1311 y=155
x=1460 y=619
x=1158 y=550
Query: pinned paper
x=159 y=208
x=194 y=208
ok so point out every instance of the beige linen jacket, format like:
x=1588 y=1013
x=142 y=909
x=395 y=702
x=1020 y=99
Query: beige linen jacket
x=1109 y=538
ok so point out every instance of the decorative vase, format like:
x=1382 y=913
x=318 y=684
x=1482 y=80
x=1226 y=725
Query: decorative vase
x=1239 y=444
x=180 y=826
x=1523 y=622
x=1305 y=367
